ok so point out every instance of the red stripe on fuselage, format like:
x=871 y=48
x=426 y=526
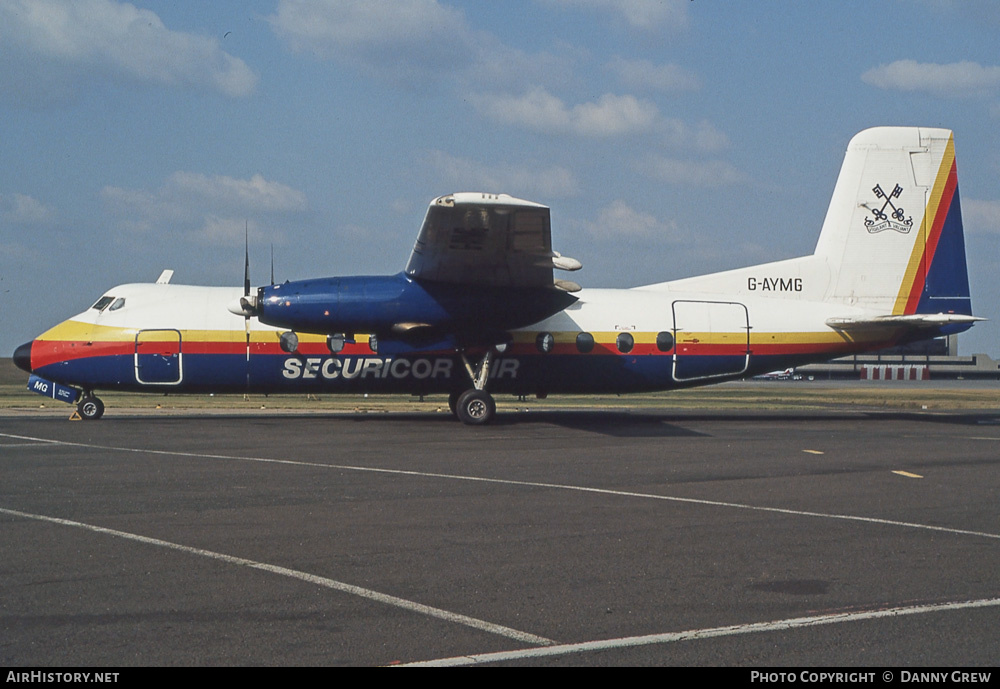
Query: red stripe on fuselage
x=47 y=352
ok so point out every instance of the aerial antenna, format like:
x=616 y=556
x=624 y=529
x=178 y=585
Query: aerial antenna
x=272 y=263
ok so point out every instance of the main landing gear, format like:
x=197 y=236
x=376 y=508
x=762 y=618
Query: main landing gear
x=90 y=408
x=475 y=407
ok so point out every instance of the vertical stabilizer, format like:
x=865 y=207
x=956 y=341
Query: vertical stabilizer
x=893 y=234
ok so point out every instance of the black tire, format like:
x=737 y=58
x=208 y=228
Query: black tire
x=453 y=402
x=475 y=407
x=90 y=408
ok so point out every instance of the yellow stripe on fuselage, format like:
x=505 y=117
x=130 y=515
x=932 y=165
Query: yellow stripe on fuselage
x=77 y=331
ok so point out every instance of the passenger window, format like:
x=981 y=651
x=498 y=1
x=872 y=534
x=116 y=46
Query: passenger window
x=625 y=343
x=544 y=342
x=119 y=302
x=335 y=343
x=664 y=341
x=584 y=343
x=289 y=341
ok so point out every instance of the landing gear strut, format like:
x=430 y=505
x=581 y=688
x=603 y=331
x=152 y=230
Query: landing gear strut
x=475 y=407
x=90 y=408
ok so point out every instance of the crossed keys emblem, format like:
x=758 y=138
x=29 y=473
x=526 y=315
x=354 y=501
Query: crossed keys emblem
x=880 y=220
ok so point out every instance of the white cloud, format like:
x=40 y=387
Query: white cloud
x=537 y=184
x=254 y=194
x=21 y=210
x=618 y=222
x=404 y=37
x=230 y=231
x=698 y=173
x=643 y=74
x=618 y=219
x=646 y=15
x=212 y=209
x=954 y=80
x=702 y=136
x=412 y=41
x=981 y=217
x=609 y=116
x=54 y=45
x=539 y=110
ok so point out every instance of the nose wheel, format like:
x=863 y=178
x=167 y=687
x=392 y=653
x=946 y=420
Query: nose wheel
x=90 y=408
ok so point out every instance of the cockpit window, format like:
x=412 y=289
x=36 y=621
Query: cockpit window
x=119 y=302
x=102 y=303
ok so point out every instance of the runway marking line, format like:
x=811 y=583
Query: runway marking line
x=696 y=634
x=529 y=484
x=395 y=601
x=907 y=474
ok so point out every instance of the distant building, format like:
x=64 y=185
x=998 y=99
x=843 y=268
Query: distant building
x=937 y=358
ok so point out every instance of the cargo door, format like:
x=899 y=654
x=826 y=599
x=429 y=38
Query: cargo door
x=158 y=357
x=711 y=339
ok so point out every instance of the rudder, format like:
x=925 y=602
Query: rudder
x=893 y=235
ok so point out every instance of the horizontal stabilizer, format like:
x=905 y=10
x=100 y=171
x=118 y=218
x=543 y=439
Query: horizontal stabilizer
x=916 y=320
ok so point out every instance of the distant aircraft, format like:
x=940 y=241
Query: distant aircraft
x=785 y=374
x=477 y=312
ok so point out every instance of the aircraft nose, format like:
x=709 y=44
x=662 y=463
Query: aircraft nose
x=22 y=356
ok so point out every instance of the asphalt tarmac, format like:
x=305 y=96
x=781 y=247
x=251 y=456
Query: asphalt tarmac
x=561 y=538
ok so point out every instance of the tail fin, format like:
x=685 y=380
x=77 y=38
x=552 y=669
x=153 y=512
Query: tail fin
x=893 y=236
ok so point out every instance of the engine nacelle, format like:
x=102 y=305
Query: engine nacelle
x=398 y=307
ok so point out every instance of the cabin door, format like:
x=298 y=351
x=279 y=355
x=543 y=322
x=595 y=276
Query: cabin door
x=158 y=357
x=711 y=339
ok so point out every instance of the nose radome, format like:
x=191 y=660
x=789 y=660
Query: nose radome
x=22 y=357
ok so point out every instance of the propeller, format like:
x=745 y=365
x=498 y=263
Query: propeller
x=246 y=305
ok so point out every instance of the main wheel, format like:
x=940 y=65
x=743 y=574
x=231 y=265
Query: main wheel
x=90 y=408
x=475 y=407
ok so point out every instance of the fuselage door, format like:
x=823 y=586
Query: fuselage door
x=711 y=339
x=158 y=358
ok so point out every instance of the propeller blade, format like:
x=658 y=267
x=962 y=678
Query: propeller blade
x=246 y=258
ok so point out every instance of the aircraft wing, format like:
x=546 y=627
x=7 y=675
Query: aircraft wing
x=487 y=240
x=915 y=321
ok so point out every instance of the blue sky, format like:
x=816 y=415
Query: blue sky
x=669 y=137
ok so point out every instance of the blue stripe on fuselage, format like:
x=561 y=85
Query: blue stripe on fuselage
x=285 y=373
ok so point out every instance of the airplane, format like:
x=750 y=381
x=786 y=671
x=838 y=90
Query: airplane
x=477 y=310
x=784 y=374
